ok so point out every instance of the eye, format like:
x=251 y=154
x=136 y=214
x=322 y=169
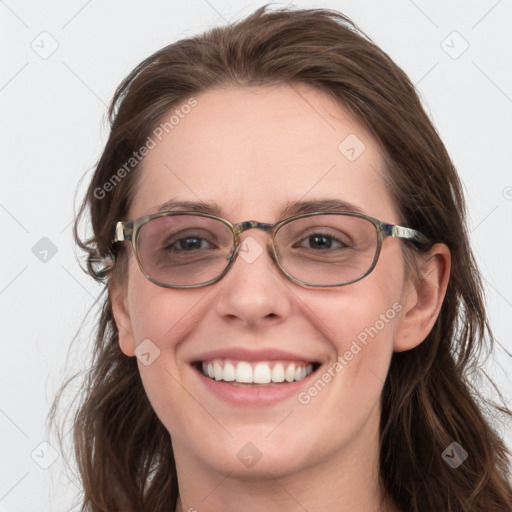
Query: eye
x=321 y=241
x=188 y=243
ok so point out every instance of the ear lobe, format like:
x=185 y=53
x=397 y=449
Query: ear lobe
x=122 y=319
x=422 y=300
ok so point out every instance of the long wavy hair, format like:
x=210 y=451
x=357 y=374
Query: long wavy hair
x=430 y=399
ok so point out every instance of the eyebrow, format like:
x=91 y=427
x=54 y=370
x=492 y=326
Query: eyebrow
x=289 y=209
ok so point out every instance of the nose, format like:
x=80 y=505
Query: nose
x=254 y=291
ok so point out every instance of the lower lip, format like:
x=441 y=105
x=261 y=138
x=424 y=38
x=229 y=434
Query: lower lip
x=254 y=395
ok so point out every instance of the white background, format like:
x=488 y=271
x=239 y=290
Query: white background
x=53 y=128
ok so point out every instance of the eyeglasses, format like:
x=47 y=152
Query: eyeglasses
x=321 y=249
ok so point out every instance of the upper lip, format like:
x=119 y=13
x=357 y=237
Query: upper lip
x=245 y=354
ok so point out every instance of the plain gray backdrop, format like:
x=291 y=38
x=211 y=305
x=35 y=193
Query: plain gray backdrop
x=61 y=62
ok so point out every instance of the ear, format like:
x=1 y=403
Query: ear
x=422 y=298
x=122 y=319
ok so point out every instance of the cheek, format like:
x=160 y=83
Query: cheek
x=363 y=311
x=159 y=313
x=362 y=336
x=366 y=347
x=160 y=319
x=359 y=322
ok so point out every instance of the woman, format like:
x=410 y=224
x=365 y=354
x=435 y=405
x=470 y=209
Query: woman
x=317 y=357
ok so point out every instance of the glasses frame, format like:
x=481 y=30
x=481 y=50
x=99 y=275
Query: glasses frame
x=129 y=231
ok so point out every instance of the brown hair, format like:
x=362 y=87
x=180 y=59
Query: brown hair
x=122 y=449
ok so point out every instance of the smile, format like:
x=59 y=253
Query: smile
x=260 y=372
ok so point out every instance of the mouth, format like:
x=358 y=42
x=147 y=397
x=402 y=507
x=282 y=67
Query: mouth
x=255 y=373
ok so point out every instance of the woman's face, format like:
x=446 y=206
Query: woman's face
x=252 y=151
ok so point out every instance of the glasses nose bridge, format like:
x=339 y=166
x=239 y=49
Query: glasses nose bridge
x=238 y=229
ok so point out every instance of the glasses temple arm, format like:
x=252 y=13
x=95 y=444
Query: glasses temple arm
x=124 y=231
x=407 y=233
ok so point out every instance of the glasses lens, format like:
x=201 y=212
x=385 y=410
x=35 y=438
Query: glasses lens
x=184 y=249
x=327 y=249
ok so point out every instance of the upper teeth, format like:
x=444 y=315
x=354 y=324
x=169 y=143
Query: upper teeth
x=258 y=373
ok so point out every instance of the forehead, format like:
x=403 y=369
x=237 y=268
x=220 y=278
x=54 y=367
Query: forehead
x=253 y=149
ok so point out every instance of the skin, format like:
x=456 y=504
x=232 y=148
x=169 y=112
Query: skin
x=251 y=149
